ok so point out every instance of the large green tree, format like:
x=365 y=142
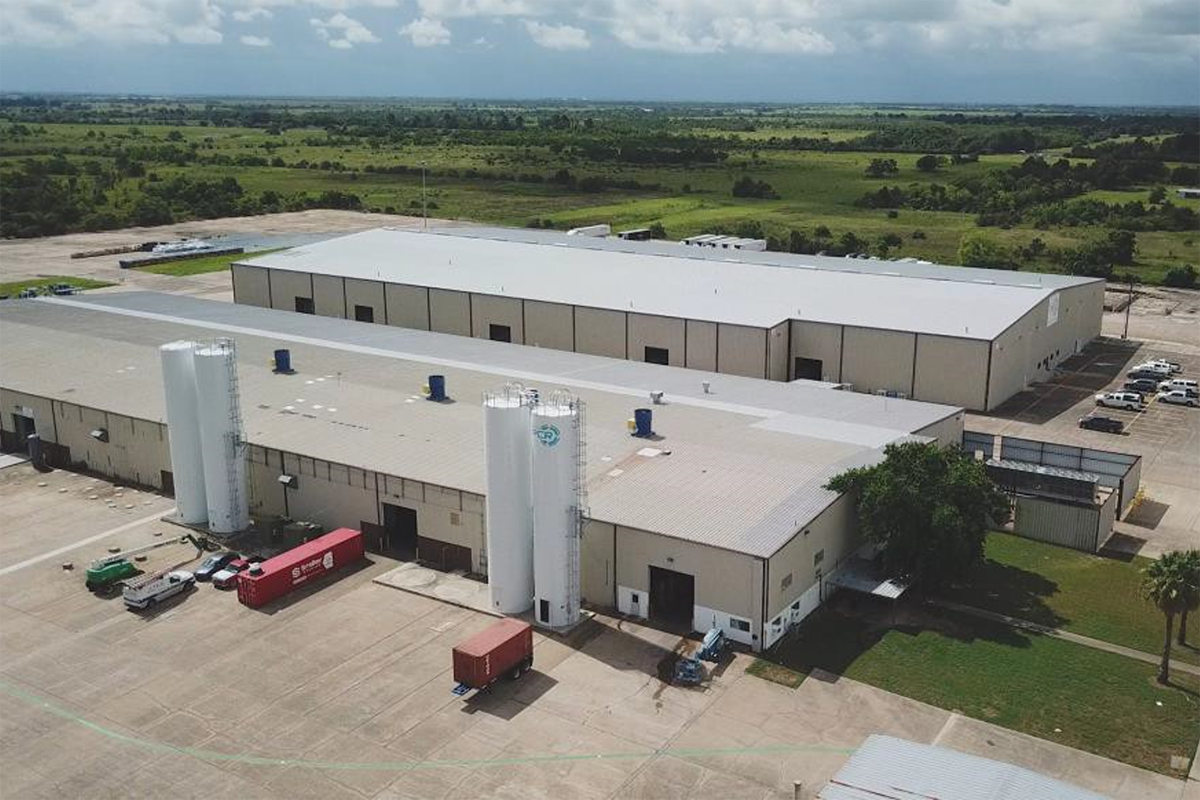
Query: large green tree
x=1172 y=583
x=927 y=508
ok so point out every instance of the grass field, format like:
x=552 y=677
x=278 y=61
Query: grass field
x=815 y=188
x=1053 y=689
x=199 y=266
x=1062 y=588
x=16 y=287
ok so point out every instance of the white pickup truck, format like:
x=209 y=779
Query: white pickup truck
x=148 y=590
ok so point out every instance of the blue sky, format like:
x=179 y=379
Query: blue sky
x=1119 y=52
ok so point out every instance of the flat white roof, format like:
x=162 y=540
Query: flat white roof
x=740 y=468
x=670 y=279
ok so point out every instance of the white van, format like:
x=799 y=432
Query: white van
x=1184 y=384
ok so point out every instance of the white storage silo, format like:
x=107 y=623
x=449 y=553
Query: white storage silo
x=555 y=471
x=506 y=421
x=221 y=438
x=183 y=430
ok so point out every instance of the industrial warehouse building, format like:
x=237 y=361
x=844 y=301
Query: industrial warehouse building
x=965 y=337
x=720 y=519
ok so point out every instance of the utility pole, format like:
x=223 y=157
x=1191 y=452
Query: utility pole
x=1128 y=305
x=424 y=211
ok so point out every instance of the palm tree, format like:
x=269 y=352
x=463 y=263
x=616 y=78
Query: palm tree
x=1192 y=557
x=1169 y=584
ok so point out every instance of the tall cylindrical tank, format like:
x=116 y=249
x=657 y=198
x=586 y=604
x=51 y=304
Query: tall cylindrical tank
x=506 y=421
x=221 y=440
x=556 y=499
x=183 y=430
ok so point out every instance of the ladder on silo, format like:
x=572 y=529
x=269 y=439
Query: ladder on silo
x=581 y=510
x=236 y=444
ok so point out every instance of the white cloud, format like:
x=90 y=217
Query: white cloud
x=255 y=41
x=251 y=14
x=558 y=37
x=57 y=23
x=342 y=32
x=425 y=32
x=447 y=9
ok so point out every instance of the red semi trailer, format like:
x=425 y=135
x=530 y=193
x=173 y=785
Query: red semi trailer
x=505 y=648
x=290 y=570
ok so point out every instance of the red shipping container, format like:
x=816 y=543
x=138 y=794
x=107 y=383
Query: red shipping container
x=300 y=565
x=502 y=648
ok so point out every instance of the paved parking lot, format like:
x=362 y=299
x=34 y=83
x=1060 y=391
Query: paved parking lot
x=343 y=691
x=1166 y=436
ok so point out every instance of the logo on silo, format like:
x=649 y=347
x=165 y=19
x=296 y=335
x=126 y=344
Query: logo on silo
x=548 y=435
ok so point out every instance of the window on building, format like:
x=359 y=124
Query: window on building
x=364 y=313
x=739 y=624
x=305 y=305
x=658 y=355
x=818 y=557
x=500 y=333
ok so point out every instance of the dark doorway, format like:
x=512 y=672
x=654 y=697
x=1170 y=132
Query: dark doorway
x=658 y=355
x=672 y=596
x=305 y=305
x=500 y=333
x=168 y=482
x=809 y=369
x=399 y=532
x=443 y=555
x=544 y=611
x=24 y=426
x=364 y=314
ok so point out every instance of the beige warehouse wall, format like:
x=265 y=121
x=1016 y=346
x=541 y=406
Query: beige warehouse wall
x=742 y=350
x=951 y=371
x=650 y=331
x=821 y=341
x=947 y=432
x=724 y=580
x=446 y=515
x=407 y=306
x=329 y=296
x=251 y=285
x=136 y=451
x=39 y=408
x=549 y=325
x=1013 y=366
x=365 y=293
x=874 y=359
x=702 y=345
x=488 y=310
x=794 y=567
x=777 y=351
x=596 y=563
x=287 y=286
x=600 y=332
x=450 y=312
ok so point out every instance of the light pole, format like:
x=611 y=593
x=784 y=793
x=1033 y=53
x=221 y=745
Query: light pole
x=424 y=211
x=1125 y=335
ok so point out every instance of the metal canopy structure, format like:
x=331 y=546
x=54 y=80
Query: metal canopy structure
x=887 y=768
x=860 y=575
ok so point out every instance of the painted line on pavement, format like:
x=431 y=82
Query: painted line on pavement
x=68 y=548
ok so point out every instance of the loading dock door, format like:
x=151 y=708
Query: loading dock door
x=399 y=532
x=809 y=369
x=672 y=596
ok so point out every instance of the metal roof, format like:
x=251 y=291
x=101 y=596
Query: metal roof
x=721 y=479
x=758 y=289
x=860 y=575
x=887 y=768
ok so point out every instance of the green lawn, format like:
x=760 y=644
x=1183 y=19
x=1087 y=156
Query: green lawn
x=198 y=266
x=1062 y=588
x=14 y=288
x=1050 y=688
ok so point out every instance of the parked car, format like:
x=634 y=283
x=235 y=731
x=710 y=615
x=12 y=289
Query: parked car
x=1173 y=367
x=148 y=590
x=1127 y=400
x=1105 y=424
x=1142 y=386
x=226 y=577
x=1179 y=397
x=1186 y=384
x=213 y=564
x=1150 y=368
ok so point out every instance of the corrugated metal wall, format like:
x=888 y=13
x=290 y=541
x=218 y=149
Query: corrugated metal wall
x=1057 y=522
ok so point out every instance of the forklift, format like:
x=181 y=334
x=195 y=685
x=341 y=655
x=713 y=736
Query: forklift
x=104 y=573
x=689 y=669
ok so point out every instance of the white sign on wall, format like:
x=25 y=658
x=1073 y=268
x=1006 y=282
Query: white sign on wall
x=1052 y=310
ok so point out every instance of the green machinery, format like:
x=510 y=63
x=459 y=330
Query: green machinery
x=104 y=572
